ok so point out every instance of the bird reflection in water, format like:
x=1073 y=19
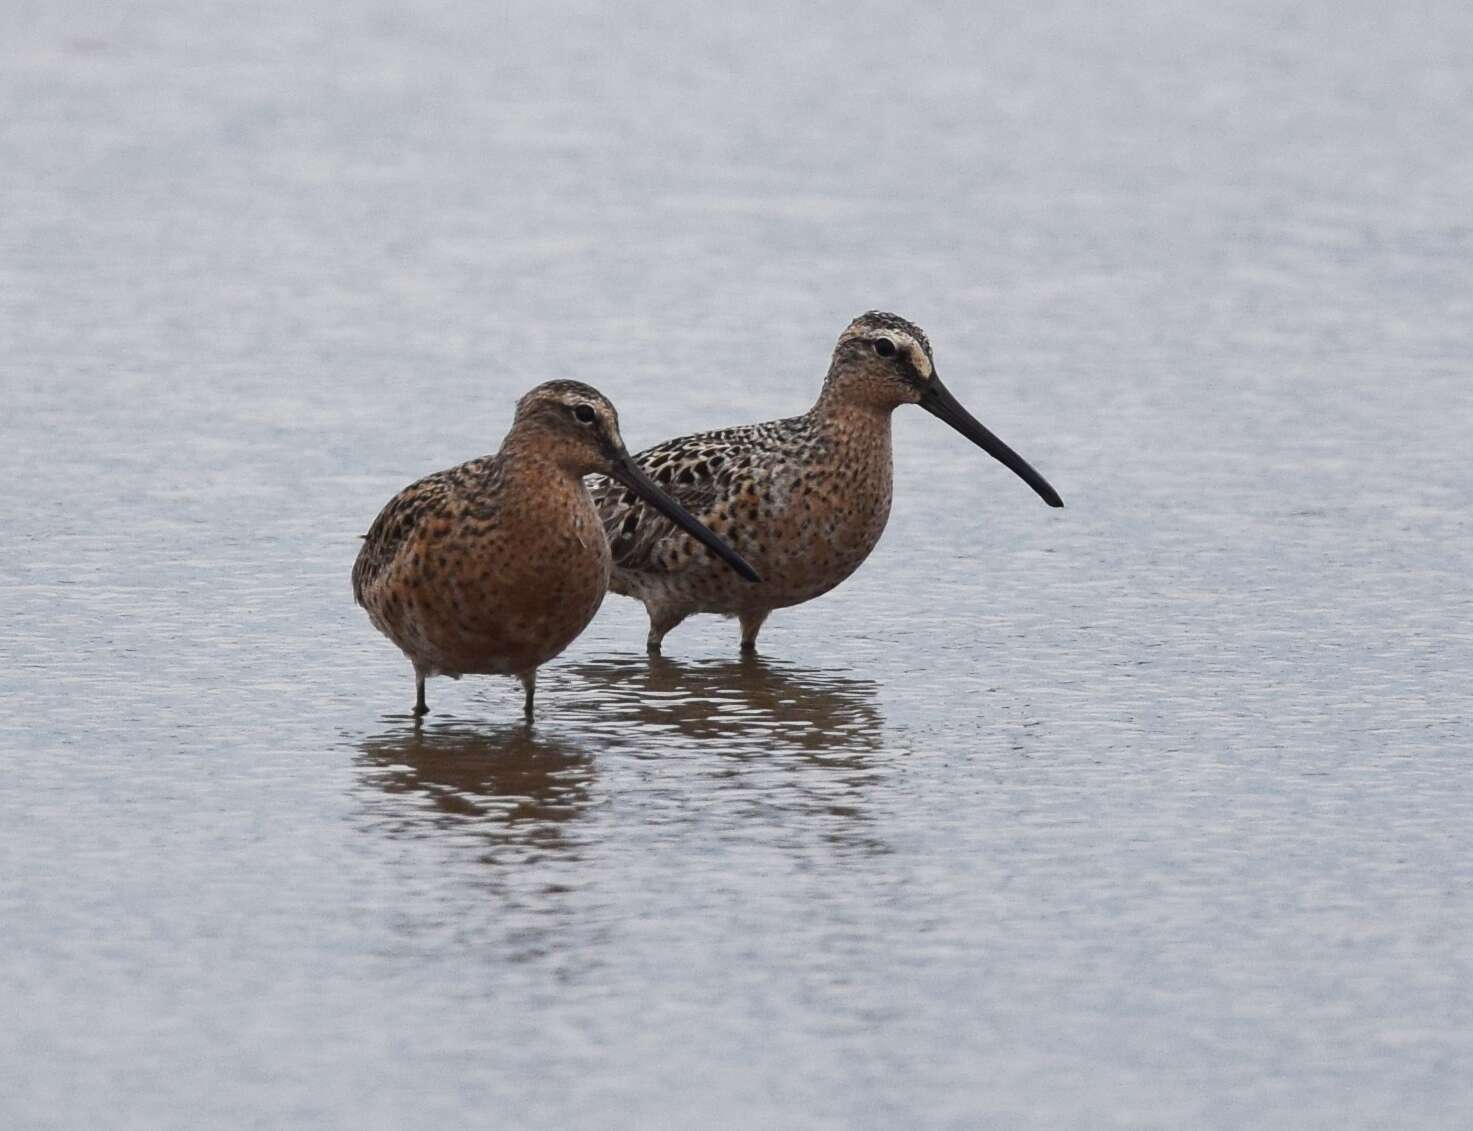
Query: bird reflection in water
x=744 y=741
x=768 y=736
x=503 y=781
x=745 y=706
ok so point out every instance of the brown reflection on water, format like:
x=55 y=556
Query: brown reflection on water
x=765 y=744
x=503 y=779
x=742 y=706
x=756 y=741
x=500 y=799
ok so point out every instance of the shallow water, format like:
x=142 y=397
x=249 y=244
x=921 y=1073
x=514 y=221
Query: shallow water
x=1152 y=812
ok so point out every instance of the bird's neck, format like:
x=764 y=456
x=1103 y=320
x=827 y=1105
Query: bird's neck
x=856 y=438
x=847 y=417
x=531 y=453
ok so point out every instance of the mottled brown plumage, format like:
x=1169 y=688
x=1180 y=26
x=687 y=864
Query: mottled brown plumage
x=495 y=566
x=804 y=499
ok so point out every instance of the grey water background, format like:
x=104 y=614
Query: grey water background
x=1156 y=811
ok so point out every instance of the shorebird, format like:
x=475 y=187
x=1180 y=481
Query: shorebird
x=495 y=566
x=804 y=499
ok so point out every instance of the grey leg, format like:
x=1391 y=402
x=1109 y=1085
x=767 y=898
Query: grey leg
x=420 y=709
x=751 y=626
x=661 y=622
x=529 y=681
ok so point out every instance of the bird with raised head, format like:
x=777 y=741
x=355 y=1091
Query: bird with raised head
x=803 y=499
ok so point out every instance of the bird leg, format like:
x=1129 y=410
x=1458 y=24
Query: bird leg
x=751 y=626
x=661 y=622
x=420 y=708
x=529 y=681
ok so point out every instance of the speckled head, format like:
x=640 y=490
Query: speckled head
x=883 y=361
x=910 y=344
x=577 y=427
x=571 y=421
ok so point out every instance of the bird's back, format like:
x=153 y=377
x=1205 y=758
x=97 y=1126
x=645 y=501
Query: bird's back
x=467 y=492
x=782 y=493
x=717 y=476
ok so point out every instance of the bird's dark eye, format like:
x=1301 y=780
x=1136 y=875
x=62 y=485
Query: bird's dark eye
x=884 y=347
x=585 y=414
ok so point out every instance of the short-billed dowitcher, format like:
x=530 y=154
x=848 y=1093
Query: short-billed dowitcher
x=804 y=499
x=495 y=566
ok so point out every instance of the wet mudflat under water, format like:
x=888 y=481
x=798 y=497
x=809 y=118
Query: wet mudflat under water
x=1152 y=812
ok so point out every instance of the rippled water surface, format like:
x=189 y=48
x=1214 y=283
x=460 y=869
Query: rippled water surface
x=1150 y=812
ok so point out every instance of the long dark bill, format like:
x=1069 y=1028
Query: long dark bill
x=627 y=472
x=938 y=401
